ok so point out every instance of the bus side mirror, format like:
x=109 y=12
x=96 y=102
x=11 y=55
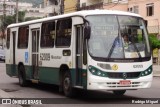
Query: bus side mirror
x=87 y=31
x=146 y=23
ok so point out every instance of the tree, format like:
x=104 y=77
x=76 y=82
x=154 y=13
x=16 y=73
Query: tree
x=7 y=20
x=155 y=43
x=31 y=18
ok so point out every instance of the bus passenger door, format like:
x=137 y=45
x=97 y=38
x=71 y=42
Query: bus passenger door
x=79 y=61
x=12 y=53
x=35 y=52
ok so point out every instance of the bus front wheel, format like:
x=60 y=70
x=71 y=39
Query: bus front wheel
x=21 y=76
x=119 y=92
x=67 y=85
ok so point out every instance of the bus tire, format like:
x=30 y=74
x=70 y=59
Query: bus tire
x=119 y=92
x=21 y=76
x=68 y=90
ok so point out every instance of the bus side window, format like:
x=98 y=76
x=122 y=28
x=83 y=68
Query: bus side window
x=48 y=35
x=23 y=37
x=63 y=37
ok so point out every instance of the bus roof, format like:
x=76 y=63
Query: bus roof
x=79 y=13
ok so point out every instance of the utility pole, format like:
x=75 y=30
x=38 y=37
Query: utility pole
x=17 y=11
x=62 y=7
x=3 y=21
x=78 y=5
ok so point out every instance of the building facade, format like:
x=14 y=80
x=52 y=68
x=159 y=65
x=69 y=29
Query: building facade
x=35 y=12
x=149 y=10
x=10 y=7
x=52 y=7
x=104 y=4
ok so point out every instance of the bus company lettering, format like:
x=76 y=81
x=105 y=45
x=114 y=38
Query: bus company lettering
x=137 y=66
x=56 y=57
x=45 y=56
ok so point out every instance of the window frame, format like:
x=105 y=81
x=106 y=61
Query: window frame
x=136 y=9
x=148 y=6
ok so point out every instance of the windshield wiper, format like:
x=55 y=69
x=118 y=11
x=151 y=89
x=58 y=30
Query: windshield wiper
x=111 y=50
x=140 y=57
x=115 y=40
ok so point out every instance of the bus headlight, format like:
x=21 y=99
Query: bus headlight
x=97 y=72
x=146 y=72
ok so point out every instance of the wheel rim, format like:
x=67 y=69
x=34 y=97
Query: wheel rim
x=20 y=76
x=67 y=83
x=20 y=79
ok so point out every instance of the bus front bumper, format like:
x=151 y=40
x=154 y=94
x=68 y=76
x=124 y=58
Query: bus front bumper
x=102 y=83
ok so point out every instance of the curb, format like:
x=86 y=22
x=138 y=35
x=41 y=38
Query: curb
x=156 y=70
x=5 y=95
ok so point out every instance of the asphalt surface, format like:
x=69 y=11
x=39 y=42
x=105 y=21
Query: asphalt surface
x=11 y=87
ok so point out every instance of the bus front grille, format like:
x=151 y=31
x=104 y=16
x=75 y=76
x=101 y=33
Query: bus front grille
x=117 y=84
x=126 y=75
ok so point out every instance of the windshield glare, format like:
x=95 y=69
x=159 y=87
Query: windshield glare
x=115 y=36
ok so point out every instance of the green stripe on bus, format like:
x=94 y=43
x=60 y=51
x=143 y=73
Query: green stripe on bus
x=48 y=75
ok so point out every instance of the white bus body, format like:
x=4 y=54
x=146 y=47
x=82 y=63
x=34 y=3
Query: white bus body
x=68 y=51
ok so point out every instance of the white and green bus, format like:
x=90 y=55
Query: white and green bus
x=83 y=50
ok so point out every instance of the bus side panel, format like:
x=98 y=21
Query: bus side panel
x=83 y=79
x=28 y=72
x=49 y=75
x=10 y=71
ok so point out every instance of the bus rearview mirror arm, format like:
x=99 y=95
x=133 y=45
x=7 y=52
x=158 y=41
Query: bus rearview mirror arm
x=146 y=22
x=87 y=30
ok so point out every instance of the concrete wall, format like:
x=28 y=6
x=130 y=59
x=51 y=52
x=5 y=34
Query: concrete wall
x=121 y=7
x=70 y=6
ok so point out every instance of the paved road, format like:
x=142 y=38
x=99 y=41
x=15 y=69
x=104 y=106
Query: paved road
x=11 y=86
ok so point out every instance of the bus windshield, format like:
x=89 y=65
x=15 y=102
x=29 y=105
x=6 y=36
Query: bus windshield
x=114 y=36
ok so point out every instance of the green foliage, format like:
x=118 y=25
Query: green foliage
x=7 y=20
x=21 y=16
x=12 y=19
x=31 y=18
x=4 y=23
x=34 y=2
x=139 y=37
x=155 y=43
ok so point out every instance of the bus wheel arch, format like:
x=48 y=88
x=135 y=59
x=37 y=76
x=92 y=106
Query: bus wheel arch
x=65 y=79
x=22 y=75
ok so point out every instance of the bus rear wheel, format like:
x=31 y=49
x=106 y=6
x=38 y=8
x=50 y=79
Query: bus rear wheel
x=21 y=76
x=119 y=92
x=67 y=85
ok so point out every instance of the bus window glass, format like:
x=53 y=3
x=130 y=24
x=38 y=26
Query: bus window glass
x=8 y=39
x=63 y=37
x=104 y=33
x=134 y=29
x=120 y=37
x=48 y=34
x=23 y=37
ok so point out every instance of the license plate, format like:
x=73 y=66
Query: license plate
x=125 y=82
